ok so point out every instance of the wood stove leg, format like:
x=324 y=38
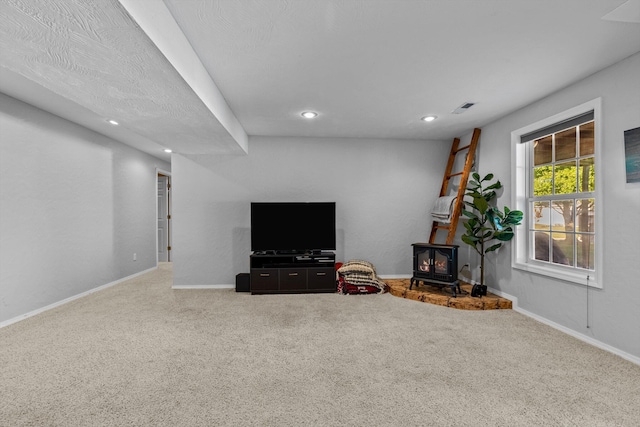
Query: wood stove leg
x=411 y=284
x=455 y=286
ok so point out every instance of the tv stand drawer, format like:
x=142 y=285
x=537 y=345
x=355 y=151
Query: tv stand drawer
x=293 y=279
x=321 y=279
x=264 y=279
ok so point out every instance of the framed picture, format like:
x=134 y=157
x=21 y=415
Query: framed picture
x=632 y=154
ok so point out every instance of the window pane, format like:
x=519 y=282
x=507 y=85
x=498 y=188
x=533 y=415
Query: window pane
x=587 y=175
x=562 y=248
x=541 y=216
x=564 y=178
x=542 y=150
x=587 y=139
x=562 y=215
x=546 y=248
x=586 y=250
x=541 y=247
x=585 y=214
x=566 y=144
x=542 y=180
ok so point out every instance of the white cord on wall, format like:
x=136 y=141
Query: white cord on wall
x=587 y=301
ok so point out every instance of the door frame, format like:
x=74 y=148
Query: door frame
x=168 y=175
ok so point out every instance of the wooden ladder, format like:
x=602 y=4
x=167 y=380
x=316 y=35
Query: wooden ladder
x=464 y=177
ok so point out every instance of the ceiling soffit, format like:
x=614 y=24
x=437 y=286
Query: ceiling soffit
x=95 y=55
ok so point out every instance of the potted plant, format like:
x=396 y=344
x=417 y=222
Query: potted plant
x=485 y=222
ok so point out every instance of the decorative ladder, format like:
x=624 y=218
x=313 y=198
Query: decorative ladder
x=464 y=177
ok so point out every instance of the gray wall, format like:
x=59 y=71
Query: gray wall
x=614 y=310
x=74 y=207
x=383 y=192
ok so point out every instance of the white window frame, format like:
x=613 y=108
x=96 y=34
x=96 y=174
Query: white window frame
x=521 y=176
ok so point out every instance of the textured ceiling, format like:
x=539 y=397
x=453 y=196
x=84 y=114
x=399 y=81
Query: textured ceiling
x=93 y=55
x=176 y=73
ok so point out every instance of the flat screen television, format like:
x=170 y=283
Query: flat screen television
x=293 y=226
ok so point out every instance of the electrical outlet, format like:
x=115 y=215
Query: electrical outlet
x=135 y=256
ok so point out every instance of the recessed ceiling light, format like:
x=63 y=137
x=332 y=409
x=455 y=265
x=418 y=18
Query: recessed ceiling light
x=429 y=118
x=113 y=122
x=309 y=114
x=168 y=150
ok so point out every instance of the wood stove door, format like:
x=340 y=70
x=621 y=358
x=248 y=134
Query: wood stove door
x=424 y=263
x=444 y=265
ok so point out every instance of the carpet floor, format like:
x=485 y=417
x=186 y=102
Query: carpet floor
x=142 y=354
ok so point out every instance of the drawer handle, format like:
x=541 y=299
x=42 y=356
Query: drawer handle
x=265 y=274
x=293 y=274
x=321 y=274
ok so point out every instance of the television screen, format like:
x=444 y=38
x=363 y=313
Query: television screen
x=293 y=226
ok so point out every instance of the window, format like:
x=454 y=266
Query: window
x=557 y=184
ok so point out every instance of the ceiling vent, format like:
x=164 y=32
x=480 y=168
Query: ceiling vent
x=464 y=107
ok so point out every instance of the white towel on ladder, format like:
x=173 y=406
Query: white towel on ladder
x=443 y=208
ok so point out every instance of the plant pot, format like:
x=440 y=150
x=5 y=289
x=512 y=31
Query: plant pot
x=478 y=290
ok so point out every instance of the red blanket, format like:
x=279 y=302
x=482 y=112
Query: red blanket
x=345 y=287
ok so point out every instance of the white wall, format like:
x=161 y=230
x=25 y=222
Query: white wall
x=614 y=310
x=74 y=207
x=383 y=192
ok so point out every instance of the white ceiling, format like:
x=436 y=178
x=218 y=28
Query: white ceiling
x=199 y=76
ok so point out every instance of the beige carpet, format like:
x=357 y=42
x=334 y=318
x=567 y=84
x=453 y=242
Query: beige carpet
x=142 y=354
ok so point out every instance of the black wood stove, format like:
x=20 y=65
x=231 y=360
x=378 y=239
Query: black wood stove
x=436 y=265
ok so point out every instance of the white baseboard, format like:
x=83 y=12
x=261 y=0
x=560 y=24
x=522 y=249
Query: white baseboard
x=575 y=334
x=203 y=286
x=72 y=298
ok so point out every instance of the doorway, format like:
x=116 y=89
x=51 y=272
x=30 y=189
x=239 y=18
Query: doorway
x=164 y=217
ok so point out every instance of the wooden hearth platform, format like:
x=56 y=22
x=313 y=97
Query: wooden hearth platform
x=442 y=296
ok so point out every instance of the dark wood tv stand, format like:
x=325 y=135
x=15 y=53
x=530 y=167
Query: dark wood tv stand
x=280 y=273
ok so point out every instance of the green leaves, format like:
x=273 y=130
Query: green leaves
x=504 y=236
x=480 y=204
x=512 y=217
x=497 y=185
x=493 y=248
x=476 y=177
x=485 y=222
